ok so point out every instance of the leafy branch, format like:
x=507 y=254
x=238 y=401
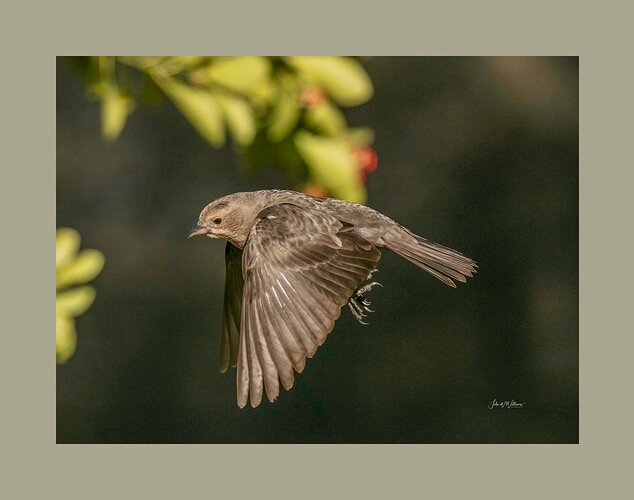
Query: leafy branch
x=280 y=112
x=74 y=269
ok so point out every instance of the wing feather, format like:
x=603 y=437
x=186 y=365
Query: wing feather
x=287 y=314
x=243 y=374
x=269 y=369
x=285 y=333
x=255 y=370
x=300 y=267
x=283 y=360
x=232 y=306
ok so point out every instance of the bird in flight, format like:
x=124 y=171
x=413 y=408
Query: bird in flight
x=292 y=262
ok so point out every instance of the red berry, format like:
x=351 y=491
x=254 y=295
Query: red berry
x=367 y=159
x=312 y=97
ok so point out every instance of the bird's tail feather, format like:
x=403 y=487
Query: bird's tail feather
x=441 y=262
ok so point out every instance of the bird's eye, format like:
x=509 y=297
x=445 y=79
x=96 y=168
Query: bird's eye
x=217 y=220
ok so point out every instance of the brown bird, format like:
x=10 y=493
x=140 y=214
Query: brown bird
x=292 y=262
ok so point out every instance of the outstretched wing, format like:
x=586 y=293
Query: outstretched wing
x=301 y=267
x=232 y=307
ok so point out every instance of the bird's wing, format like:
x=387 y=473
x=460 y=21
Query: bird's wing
x=301 y=266
x=234 y=284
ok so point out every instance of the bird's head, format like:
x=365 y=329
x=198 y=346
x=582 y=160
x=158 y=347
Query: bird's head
x=230 y=217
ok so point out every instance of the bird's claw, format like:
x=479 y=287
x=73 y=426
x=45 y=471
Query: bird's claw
x=367 y=288
x=359 y=304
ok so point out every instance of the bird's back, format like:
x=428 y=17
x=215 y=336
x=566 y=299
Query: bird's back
x=366 y=222
x=442 y=262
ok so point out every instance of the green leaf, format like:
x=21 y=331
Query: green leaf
x=65 y=338
x=115 y=108
x=343 y=78
x=242 y=74
x=67 y=242
x=185 y=62
x=200 y=107
x=239 y=116
x=143 y=62
x=332 y=165
x=87 y=68
x=86 y=267
x=285 y=115
x=75 y=301
x=360 y=136
x=326 y=119
x=150 y=93
x=262 y=95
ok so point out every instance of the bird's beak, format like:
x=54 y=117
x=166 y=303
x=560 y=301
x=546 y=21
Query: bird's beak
x=197 y=230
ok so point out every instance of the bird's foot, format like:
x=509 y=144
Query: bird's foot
x=359 y=304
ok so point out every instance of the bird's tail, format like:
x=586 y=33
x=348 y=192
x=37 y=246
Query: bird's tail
x=441 y=262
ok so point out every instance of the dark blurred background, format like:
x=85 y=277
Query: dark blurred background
x=479 y=154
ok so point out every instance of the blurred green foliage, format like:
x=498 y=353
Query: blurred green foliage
x=280 y=112
x=73 y=270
